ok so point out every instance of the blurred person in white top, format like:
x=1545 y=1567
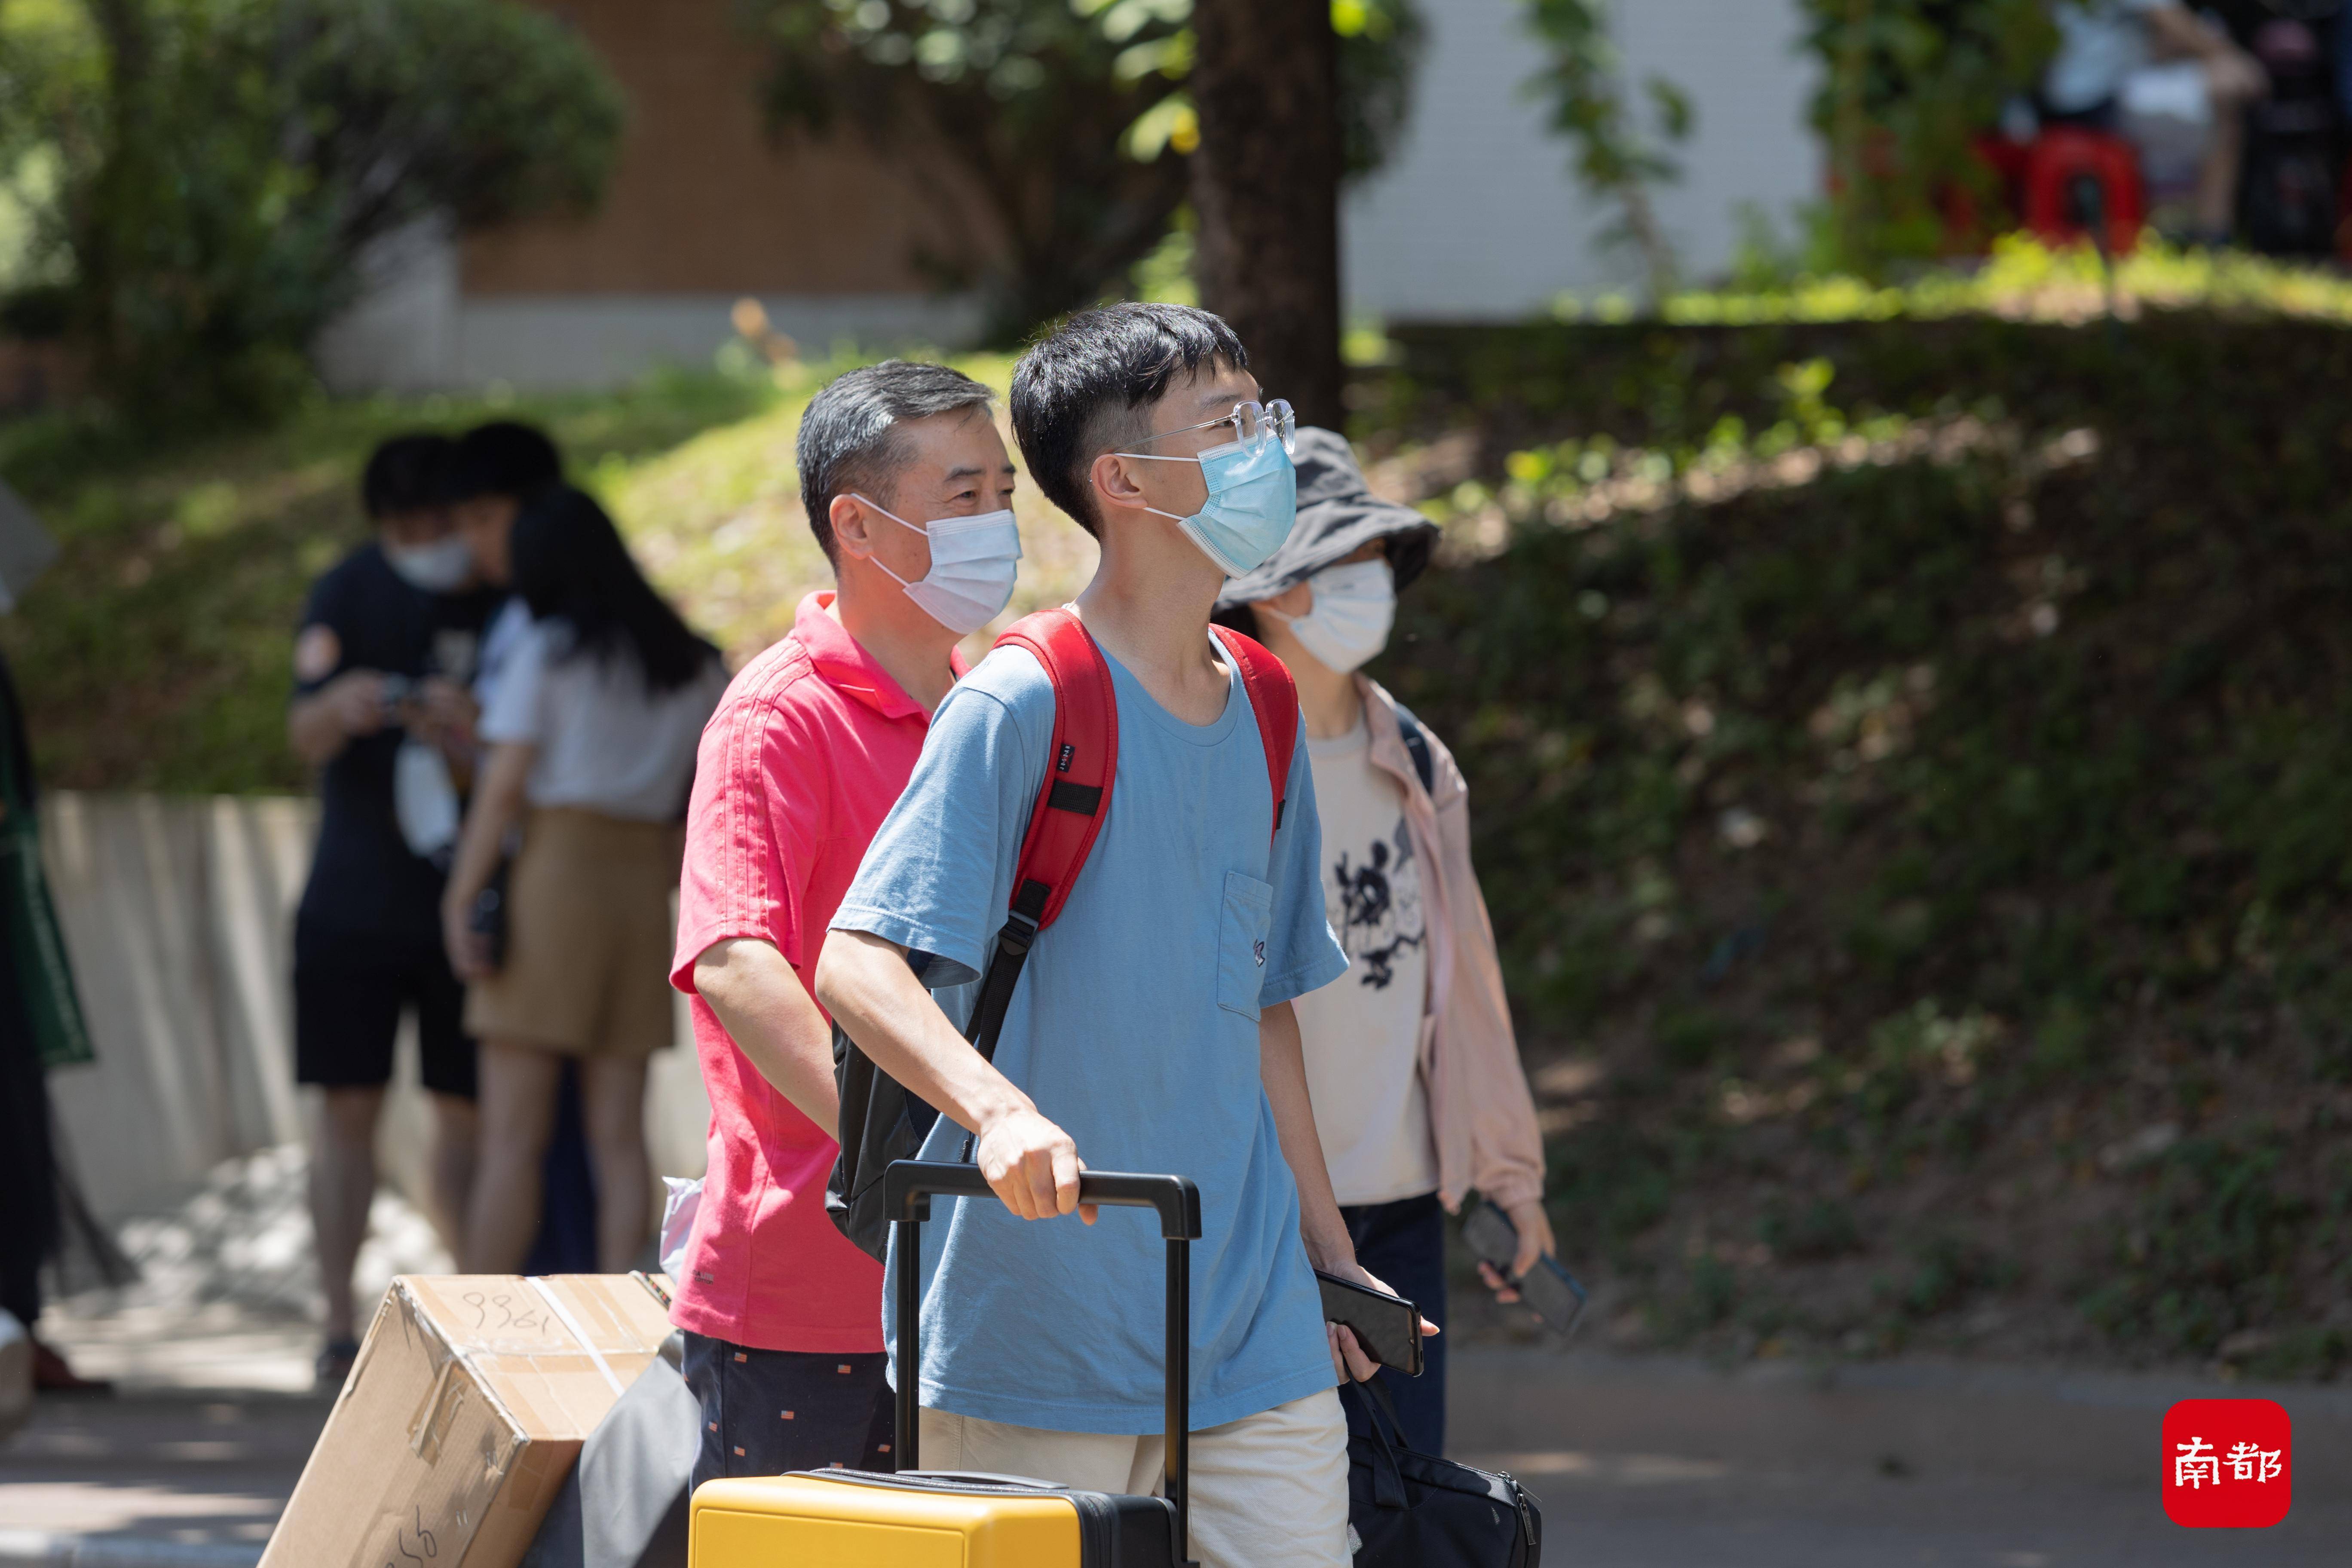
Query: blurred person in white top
x=590 y=733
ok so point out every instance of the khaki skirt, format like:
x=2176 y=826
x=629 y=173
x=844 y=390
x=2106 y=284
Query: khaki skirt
x=589 y=932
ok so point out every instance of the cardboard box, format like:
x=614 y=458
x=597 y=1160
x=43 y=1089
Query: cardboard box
x=464 y=1412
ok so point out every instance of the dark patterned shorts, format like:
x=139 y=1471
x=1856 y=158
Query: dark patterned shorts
x=765 y=1413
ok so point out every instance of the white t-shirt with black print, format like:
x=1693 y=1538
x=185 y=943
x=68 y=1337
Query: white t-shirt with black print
x=1363 y=1031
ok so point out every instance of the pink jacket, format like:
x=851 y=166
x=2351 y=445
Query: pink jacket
x=1484 y=1117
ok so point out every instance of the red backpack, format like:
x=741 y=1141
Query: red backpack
x=880 y=1121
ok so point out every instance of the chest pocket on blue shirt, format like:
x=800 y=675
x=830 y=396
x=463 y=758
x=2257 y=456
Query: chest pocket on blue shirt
x=1241 y=942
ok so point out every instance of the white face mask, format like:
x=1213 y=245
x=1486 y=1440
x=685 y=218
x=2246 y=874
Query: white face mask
x=438 y=567
x=1355 y=605
x=974 y=560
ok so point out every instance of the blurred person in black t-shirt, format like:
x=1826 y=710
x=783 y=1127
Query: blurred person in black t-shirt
x=383 y=665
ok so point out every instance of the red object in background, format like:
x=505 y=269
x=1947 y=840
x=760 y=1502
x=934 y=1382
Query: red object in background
x=2228 y=1464
x=2068 y=172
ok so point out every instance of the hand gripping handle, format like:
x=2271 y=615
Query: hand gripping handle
x=907 y=1190
x=907 y=1183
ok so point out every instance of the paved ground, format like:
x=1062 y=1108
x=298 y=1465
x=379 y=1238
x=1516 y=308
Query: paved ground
x=1639 y=1464
x=178 y=1465
x=1627 y=1513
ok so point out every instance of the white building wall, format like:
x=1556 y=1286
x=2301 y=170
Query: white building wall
x=1479 y=217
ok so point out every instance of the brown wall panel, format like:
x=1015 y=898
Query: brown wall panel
x=704 y=200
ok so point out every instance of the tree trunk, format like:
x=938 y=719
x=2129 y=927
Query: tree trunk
x=106 y=228
x=1265 y=187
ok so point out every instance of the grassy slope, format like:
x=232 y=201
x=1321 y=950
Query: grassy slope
x=1910 y=767
x=154 y=655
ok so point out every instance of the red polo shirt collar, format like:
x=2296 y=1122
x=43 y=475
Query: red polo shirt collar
x=836 y=654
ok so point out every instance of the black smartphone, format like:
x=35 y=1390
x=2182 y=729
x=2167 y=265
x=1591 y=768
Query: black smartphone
x=1549 y=1288
x=488 y=918
x=1387 y=1327
x=397 y=689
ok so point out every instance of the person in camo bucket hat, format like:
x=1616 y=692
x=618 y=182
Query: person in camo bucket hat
x=1411 y=1066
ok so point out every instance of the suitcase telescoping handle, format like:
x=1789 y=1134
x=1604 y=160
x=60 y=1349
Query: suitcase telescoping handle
x=907 y=1189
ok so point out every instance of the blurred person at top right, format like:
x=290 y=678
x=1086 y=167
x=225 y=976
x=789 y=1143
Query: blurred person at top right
x=591 y=736
x=2168 y=80
x=1410 y=1062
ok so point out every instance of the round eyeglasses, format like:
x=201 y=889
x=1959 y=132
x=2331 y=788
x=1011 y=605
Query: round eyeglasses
x=1252 y=423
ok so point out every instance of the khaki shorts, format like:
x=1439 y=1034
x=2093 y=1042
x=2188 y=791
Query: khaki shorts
x=1269 y=1490
x=588 y=938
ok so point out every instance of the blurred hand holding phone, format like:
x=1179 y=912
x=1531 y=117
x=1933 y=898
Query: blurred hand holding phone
x=1548 y=1289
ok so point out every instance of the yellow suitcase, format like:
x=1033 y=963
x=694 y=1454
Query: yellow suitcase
x=951 y=1518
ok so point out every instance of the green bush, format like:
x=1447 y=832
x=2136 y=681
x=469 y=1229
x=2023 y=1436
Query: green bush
x=2213 y=1249
x=1961 y=699
x=223 y=165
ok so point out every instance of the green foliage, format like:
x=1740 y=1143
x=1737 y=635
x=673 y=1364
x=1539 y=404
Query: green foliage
x=1610 y=1187
x=1023 y=108
x=1582 y=87
x=1379 y=45
x=155 y=653
x=1911 y=753
x=1907 y=86
x=2211 y=1251
x=1060 y=124
x=224 y=164
x=2023 y=280
x=1821 y=1229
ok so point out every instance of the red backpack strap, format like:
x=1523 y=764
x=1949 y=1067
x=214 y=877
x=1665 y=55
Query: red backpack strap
x=1076 y=796
x=1274 y=698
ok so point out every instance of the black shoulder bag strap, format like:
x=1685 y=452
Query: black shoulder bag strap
x=1416 y=744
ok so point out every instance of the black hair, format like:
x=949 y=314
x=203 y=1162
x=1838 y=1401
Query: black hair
x=504 y=457
x=846 y=440
x=1075 y=392
x=406 y=473
x=570 y=562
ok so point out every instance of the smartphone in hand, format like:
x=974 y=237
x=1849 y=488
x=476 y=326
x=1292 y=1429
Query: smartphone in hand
x=1388 y=1328
x=1549 y=1288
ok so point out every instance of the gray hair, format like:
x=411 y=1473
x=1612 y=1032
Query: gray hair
x=846 y=439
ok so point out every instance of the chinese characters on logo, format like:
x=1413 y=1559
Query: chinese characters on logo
x=2228 y=1464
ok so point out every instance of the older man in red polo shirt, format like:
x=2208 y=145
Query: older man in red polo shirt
x=909 y=489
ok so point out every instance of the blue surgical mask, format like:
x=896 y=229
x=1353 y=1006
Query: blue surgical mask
x=1253 y=502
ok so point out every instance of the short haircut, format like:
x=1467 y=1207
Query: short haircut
x=406 y=473
x=1078 y=391
x=847 y=439
x=504 y=457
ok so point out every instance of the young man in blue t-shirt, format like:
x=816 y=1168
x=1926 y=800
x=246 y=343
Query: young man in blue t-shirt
x=1152 y=1029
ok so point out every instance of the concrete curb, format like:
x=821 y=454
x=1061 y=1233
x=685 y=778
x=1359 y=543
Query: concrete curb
x=66 y=1549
